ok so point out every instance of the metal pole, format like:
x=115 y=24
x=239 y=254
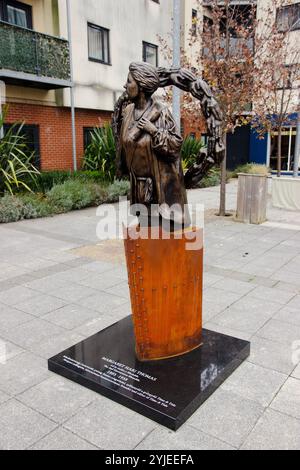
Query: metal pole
x=297 y=147
x=72 y=99
x=176 y=58
x=2 y=103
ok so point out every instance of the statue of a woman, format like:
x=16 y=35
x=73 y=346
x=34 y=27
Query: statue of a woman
x=149 y=149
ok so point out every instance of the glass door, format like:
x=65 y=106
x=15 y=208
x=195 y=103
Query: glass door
x=287 y=149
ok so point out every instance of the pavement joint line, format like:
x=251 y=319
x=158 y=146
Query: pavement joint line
x=35 y=275
x=266 y=367
x=16 y=397
x=49 y=235
x=211 y=435
x=282 y=226
x=41 y=438
x=147 y=435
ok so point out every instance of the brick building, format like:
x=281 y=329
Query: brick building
x=38 y=73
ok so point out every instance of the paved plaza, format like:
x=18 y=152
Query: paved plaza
x=59 y=284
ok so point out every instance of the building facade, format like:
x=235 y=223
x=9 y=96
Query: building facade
x=35 y=65
x=245 y=146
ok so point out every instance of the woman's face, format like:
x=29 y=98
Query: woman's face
x=131 y=87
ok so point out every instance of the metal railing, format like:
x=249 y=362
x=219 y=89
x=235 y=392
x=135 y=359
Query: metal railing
x=27 y=51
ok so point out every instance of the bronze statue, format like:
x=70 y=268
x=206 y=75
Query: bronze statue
x=165 y=278
x=149 y=144
x=149 y=148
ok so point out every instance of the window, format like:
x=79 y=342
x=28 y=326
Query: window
x=194 y=22
x=87 y=136
x=288 y=18
x=286 y=76
x=16 y=13
x=98 y=42
x=150 y=53
x=31 y=135
x=288 y=146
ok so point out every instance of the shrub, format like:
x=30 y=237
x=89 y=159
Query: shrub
x=100 y=155
x=117 y=189
x=252 y=168
x=15 y=208
x=39 y=206
x=213 y=178
x=191 y=148
x=16 y=168
x=11 y=209
x=47 y=179
x=74 y=194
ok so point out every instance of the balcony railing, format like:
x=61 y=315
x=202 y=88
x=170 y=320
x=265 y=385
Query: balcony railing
x=27 y=54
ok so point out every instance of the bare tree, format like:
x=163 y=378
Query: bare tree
x=278 y=78
x=234 y=50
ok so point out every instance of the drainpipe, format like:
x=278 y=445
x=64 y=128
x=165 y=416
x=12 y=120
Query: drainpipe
x=176 y=58
x=2 y=102
x=297 y=145
x=72 y=99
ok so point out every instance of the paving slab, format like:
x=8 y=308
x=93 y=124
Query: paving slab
x=288 y=399
x=281 y=332
x=21 y=427
x=106 y=425
x=255 y=383
x=57 y=399
x=274 y=431
x=187 y=438
x=271 y=355
x=227 y=417
x=22 y=372
x=40 y=305
x=61 y=439
x=72 y=316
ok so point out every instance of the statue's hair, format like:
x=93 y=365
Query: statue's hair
x=145 y=75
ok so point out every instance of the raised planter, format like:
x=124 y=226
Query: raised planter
x=286 y=193
x=252 y=198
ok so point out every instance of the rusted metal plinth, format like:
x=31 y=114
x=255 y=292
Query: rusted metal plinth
x=166 y=283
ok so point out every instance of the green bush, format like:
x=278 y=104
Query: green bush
x=16 y=168
x=252 y=168
x=15 y=208
x=75 y=194
x=117 y=189
x=100 y=155
x=213 y=178
x=191 y=148
x=46 y=180
x=11 y=209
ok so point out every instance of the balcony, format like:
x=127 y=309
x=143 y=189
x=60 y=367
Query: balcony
x=29 y=58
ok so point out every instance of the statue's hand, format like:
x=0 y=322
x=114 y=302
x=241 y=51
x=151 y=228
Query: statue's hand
x=147 y=126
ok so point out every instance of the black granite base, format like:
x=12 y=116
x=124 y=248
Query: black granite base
x=168 y=391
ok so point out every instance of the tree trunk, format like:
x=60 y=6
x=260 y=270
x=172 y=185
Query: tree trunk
x=222 y=212
x=279 y=152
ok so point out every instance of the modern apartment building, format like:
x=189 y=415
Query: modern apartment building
x=35 y=65
x=244 y=145
x=105 y=36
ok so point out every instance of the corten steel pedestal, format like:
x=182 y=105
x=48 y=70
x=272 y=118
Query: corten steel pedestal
x=118 y=362
x=166 y=282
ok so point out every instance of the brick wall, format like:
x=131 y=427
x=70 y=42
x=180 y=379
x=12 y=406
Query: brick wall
x=55 y=131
